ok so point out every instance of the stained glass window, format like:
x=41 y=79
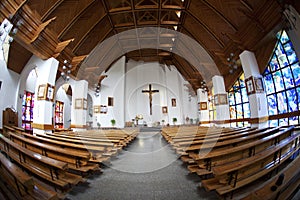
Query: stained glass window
x=27 y=111
x=59 y=114
x=239 y=106
x=282 y=80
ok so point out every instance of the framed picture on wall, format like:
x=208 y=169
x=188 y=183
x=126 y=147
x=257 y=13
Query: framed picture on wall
x=103 y=109
x=259 y=87
x=78 y=103
x=173 y=102
x=250 y=85
x=164 y=109
x=216 y=100
x=203 y=105
x=42 y=92
x=223 y=99
x=96 y=109
x=84 y=104
x=110 y=101
x=50 y=92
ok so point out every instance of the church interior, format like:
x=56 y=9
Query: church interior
x=149 y=99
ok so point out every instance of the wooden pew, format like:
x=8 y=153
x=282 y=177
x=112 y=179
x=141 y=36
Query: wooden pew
x=231 y=176
x=48 y=169
x=220 y=156
x=77 y=159
x=232 y=142
x=217 y=138
x=270 y=189
x=20 y=184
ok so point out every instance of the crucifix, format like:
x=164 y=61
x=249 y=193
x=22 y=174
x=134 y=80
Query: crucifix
x=151 y=92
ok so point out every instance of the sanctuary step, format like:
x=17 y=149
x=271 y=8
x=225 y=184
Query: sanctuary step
x=150 y=129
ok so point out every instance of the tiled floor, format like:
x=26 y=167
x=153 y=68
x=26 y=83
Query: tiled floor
x=147 y=169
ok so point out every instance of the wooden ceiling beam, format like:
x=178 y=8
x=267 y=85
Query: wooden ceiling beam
x=74 y=20
x=75 y=48
x=119 y=11
x=215 y=10
x=53 y=7
x=135 y=26
x=222 y=45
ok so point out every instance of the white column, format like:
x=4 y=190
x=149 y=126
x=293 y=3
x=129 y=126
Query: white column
x=79 y=106
x=203 y=107
x=221 y=101
x=257 y=96
x=44 y=96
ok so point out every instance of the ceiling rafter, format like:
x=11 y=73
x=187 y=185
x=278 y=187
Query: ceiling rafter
x=74 y=20
x=159 y=24
x=222 y=45
x=53 y=7
x=111 y=23
x=135 y=26
x=213 y=8
x=80 y=42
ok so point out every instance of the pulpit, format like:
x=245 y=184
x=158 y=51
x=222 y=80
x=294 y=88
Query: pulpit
x=10 y=117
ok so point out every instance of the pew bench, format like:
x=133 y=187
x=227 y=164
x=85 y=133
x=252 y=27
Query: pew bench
x=221 y=156
x=235 y=175
x=51 y=170
x=80 y=151
x=73 y=157
x=211 y=135
x=20 y=184
x=290 y=183
x=218 y=138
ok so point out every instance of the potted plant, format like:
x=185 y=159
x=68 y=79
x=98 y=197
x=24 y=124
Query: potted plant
x=174 y=120
x=163 y=122
x=98 y=124
x=113 y=122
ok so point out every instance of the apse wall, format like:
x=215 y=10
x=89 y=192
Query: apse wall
x=170 y=85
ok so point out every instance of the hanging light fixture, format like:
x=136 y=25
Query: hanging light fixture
x=66 y=71
x=232 y=63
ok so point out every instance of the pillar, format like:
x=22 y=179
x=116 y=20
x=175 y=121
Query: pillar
x=79 y=106
x=44 y=96
x=255 y=90
x=203 y=107
x=221 y=101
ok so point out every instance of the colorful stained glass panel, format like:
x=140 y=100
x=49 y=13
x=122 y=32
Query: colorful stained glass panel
x=278 y=81
x=288 y=78
x=269 y=84
x=272 y=102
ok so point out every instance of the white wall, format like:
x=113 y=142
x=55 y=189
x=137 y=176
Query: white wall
x=112 y=86
x=9 y=88
x=170 y=84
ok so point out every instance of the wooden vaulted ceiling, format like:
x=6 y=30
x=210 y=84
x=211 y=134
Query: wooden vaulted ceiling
x=71 y=29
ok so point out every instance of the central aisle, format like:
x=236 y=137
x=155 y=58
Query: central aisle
x=147 y=169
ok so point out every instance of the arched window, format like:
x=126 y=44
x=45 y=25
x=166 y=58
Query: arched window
x=239 y=106
x=282 y=81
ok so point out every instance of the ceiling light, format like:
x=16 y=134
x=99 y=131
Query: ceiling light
x=178 y=13
x=175 y=27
